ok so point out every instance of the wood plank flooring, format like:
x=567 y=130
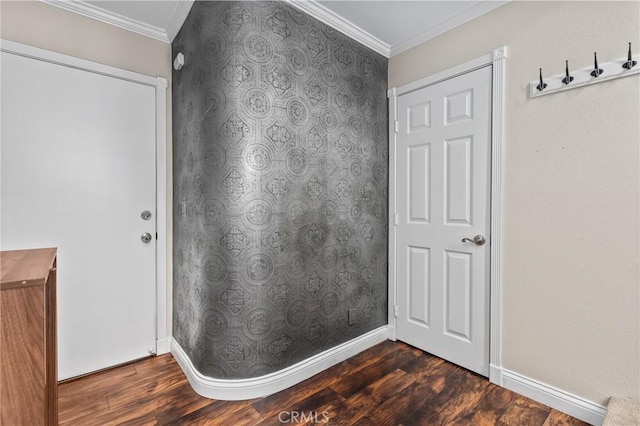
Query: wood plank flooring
x=389 y=384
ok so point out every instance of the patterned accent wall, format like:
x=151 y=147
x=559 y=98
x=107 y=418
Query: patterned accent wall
x=280 y=188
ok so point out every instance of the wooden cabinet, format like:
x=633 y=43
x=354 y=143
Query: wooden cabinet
x=28 y=361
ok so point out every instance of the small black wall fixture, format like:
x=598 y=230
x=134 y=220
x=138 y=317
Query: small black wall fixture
x=596 y=70
x=567 y=78
x=630 y=62
x=542 y=84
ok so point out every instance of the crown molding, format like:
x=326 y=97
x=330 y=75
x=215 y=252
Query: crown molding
x=179 y=15
x=311 y=7
x=99 y=14
x=345 y=26
x=455 y=20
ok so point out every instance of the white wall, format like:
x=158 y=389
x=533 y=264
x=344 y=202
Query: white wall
x=571 y=268
x=47 y=27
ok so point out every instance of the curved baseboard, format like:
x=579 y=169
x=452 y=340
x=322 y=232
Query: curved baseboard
x=239 y=389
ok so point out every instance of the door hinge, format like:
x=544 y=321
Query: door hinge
x=395 y=311
x=396 y=126
x=156 y=235
x=395 y=220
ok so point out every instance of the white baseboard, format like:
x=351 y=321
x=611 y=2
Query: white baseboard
x=543 y=393
x=239 y=389
x=163 y=346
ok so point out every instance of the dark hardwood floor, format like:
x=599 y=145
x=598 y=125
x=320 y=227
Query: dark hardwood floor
x=389 y=384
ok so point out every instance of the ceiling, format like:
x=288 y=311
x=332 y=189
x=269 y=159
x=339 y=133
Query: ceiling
x=386 y=26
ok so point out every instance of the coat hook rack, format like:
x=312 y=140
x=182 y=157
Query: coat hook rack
x=597 y=73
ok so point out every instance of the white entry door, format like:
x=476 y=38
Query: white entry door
x=78 y=169
x=443 y=190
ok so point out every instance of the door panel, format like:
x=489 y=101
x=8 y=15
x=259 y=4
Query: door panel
x=457 y=282
x=420 y=196
x=419 y=117
x=459 y=106
x=443 y=189
x=419 y=285
x=458 y=181
x=78 y=168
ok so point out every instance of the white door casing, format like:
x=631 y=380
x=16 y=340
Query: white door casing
x=497 y=60
x=78 y=168
x=443 y=193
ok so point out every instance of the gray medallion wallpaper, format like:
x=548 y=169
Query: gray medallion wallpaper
x=280 y=188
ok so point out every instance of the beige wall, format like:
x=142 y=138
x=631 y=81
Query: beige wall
x=48 y=27
x=571 y=235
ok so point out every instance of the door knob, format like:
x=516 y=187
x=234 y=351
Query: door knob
x=477 y=240
x=146 y=237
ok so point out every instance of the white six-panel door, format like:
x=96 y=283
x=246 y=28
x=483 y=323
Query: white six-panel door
x=443 y=196
x=78 y=168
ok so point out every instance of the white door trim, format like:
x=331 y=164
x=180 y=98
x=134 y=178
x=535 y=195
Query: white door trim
x=160 y=85
x=497 y=60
